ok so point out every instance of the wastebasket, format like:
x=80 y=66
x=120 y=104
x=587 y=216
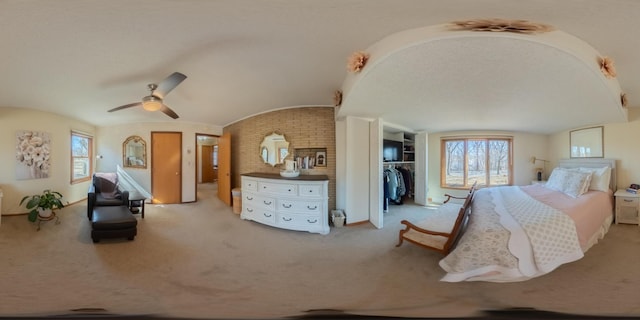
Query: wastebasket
x=337 y=217
x=237 y=200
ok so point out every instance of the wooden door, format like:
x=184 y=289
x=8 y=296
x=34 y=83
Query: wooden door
x=166 y=167
x=206 y=157
x=224 y=168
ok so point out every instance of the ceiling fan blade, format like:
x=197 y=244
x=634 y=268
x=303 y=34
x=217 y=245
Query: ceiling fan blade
x=169 y=112
x=168 y=84
x=135 y=104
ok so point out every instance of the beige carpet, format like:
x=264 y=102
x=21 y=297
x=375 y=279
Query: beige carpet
x=200 y=260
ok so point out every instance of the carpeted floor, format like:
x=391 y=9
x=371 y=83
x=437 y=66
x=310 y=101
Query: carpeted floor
x=200 y=260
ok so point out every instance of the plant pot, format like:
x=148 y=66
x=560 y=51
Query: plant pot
x=45 y=213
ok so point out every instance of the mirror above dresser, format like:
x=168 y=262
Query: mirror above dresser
x=274 y=149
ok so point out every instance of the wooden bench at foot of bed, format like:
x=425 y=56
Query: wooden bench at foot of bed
x=441 y=229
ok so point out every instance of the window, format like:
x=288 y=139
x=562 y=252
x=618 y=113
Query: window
x=485 y=160
x=81 y=151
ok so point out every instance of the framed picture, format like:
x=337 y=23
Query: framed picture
x=33 y=152
x=321 y=159
x=587 y=143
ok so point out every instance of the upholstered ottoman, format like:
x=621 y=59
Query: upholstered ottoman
x=113 y=222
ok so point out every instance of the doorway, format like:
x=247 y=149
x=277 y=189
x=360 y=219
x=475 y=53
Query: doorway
x=206 y=164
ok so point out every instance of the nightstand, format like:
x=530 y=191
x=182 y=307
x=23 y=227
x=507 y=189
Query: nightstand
x=627 y=207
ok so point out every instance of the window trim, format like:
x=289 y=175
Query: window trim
x=466 y=139
x=72 y=157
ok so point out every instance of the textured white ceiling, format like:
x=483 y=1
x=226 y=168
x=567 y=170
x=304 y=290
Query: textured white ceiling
x=81 y=58
x=484 y=81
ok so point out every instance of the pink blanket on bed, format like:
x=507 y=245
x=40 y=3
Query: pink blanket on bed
x=587 y=211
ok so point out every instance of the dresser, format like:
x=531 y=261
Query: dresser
x=299 y=203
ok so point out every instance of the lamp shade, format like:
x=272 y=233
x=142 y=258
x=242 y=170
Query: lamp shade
x=151 y=103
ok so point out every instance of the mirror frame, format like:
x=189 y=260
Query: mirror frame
x=125 y=155
x=276 y=152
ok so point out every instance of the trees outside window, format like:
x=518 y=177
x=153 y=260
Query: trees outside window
x=485 y=160
x=81 y=151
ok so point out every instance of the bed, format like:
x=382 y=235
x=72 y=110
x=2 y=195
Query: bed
x=516 y=233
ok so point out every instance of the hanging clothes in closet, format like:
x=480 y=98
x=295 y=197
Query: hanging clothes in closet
x=395 y=185
x=407 y=177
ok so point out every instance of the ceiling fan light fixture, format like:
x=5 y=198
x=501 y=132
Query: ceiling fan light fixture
x=151 y=103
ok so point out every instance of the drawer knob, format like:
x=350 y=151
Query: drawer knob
x=249 y=198
x=312 y=208
x=287 y=206
x=249 y=209
x=285 y=219
x=267 y=215
x=314 y=221
x=267 y=202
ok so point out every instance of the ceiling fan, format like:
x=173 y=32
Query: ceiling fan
x=153 y=102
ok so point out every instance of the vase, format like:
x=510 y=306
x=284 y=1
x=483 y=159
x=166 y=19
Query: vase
x=35 y=172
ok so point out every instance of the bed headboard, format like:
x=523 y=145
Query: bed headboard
x=592 y=163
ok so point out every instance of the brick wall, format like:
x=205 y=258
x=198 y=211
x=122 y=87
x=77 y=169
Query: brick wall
x=308 y=127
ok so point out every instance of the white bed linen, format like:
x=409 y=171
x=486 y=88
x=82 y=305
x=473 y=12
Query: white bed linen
x=543 y=238
x=590 y=211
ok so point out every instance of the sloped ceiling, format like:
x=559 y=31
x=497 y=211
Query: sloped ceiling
x=466 y=80
x=81 y=58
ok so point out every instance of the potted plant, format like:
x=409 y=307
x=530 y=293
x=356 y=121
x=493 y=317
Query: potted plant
x=43 y=204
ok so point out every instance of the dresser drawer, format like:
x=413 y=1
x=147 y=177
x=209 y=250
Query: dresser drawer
x=278 y=188
x=299 y=221
x=627 y=202
x=258 y=201
x=249 y=185
x=307 y=207
x=258 y=214
x=311 y=190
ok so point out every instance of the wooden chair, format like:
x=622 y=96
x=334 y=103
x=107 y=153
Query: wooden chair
x=440 y=230
x=471 y=191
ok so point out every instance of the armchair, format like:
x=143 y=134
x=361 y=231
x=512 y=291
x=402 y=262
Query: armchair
x=104 y=191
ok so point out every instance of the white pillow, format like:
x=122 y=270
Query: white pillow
x=555 y=179
x=599 y=179
x=571 y=182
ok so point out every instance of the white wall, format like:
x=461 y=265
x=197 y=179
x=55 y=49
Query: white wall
x=357 y=169
x=59 y=128
x=421 y=179
x=341 y=164
x=110 y=141
x=525 y=146
x=376 y=214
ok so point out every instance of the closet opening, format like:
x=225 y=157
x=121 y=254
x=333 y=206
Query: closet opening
x=398 y=154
